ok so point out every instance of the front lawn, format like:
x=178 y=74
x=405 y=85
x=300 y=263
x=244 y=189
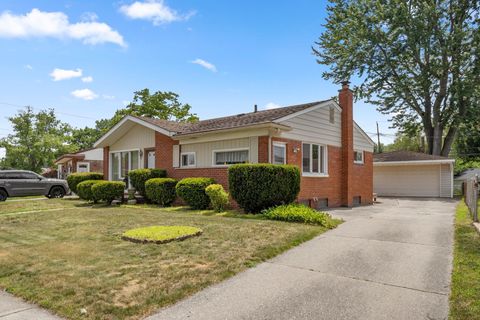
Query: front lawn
x=15 y=205
x=465 y=295
x=74 y=258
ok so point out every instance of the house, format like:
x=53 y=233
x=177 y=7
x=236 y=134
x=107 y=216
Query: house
x=334 y=153
x=89 y=160
x=412 y=174
x=462 y=178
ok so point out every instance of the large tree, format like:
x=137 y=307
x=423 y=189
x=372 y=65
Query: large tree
x=415 y=60
x=37 y=140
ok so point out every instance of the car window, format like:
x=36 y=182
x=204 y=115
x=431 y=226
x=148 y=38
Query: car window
x=13 y=175
x=28 y=175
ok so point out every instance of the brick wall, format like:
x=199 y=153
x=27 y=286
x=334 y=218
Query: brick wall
x=106 y=156
x=362 y=179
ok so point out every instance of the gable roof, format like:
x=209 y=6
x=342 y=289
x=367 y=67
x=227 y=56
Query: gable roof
x=399 y=156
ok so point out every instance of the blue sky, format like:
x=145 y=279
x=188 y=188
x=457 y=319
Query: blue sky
x=86 y=58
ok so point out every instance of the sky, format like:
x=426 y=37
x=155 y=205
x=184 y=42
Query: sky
x=85 y=58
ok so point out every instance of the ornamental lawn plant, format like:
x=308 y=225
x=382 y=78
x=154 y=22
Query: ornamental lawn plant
x=300 y=213
x=161 y=234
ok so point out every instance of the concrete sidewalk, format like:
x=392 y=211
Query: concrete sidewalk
x=388 y=261
x=12 y=308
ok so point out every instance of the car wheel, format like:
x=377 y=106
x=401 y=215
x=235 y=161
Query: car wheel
x=56 y=192
x=3 y=195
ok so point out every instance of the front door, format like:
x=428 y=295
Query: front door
x=122 y=163
x=151 y=159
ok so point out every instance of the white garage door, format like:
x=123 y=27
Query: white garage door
x=407 y=180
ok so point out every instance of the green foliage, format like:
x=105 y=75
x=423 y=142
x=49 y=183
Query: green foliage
x=218 y=197
x=404 y=142
x=75 y=178
x=417 y=61
x=84 y=190
x=192 y=191
x=161 y=234
x=38 y=139
x=299 y=213
x=161 y=190
x=256 y=187
x=462 y=165
x=467 y=145
x=108 y=190
x=138 y=177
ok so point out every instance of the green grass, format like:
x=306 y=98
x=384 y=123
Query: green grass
x=74 y=258
x=465 y=295
x=161 y=233
x=9 y=207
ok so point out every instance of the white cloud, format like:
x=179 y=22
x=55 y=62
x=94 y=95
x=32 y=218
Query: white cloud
x=63 y=74
x=85 y=94
x=28 y=67
x=156 y=11
x=272 y=105
x=107 y=97
x=205 y=64
x=38 y=23
x=87 y=79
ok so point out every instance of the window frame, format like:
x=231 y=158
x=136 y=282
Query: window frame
x=83 y=163
x=355 y=159
x=110 y=162
x=323 y=168
x=188 y=154
x=214 y=152
x=280 y=145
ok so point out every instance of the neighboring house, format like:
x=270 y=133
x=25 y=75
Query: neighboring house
x=412 y=174
x=321 y=138
x=463 y=177
x=90 y=160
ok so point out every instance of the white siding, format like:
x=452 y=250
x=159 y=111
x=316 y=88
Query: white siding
x=446 y=177
x=204 y=151
x=137 y=138
x=315 y=126
x=94 y=154
x=360 y=142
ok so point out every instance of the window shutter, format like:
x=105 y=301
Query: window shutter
x=176 y=156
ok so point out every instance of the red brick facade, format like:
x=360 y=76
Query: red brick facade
x=106 y=161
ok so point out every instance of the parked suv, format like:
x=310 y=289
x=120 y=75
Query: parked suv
x=19 y=183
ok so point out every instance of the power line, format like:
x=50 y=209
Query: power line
x=59 y=112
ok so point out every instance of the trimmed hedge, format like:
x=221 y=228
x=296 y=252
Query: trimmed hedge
x=161 y=190
x=139 y=177
x=218 y=197
x=75 y=178
x=108 y=190
x=256 y=187
x=299 y=213
x=192 y=191
x=84 y=190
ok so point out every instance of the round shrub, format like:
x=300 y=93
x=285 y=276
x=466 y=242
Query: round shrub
x=256 y=187
x=218 y=197
x=160 y=234
x=108 y=190
x=299 y=213
x=75 y=178
x=161 y=190
x=138 y=177
x=192 y=191
x=84 y=190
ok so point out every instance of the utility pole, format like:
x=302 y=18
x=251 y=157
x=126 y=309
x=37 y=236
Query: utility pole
x=378 y=140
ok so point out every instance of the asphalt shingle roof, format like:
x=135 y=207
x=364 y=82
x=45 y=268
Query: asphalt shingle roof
x=405 y=156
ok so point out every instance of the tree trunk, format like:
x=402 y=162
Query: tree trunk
x=448 y=142
x=437 y=140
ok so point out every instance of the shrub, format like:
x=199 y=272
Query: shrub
x=218 y=197
x=84 y=190
x=138 y=177
x=161 y=190
x=75 y=178
x=108 y=190
x=192 y=191
x=299 y=213
x=256 y=187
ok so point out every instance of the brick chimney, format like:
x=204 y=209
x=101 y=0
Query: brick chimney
x=345 y=99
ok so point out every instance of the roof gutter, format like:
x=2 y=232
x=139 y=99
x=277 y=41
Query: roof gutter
x=414 y=162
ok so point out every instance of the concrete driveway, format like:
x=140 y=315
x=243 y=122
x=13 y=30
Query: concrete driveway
x=387 y=261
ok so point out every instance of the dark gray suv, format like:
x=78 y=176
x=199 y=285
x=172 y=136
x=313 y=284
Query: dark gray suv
x=20 y=183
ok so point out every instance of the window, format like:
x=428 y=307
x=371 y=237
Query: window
x=279 y=153
x=29 y=176
x=123 y=162
x=358 y=157
x=222 y=158
x=314 y=159
x=188 y=159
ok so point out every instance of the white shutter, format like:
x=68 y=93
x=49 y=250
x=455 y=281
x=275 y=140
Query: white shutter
x=176 y=156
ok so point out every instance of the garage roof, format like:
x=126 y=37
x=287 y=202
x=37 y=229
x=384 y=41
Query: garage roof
x=408 y=157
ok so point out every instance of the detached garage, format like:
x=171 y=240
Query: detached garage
x=412 y=174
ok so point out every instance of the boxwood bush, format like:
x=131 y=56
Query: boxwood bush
x=108 y=190
x=299 y=213
x=138 y=177
x=192 y=191
x=218 y=197
x=84 y=190
x=75 y=178
x=256 y=187
x=161 y=190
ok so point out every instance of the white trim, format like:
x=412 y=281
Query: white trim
x=325 y=162
x=135 y=120
x=281 y=145
x=363 y=157
x=83 y=162
x=451 y=182
x=188 y=165
x=227 y=150
x=110 y=171
x=416 y=162
x=330 y=103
